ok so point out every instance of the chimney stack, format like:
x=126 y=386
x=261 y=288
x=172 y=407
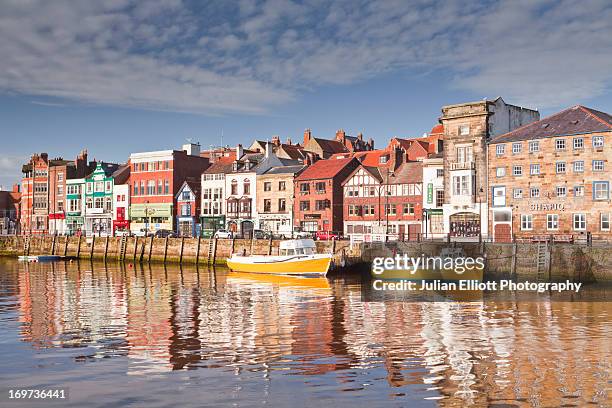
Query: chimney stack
x=307 y=136
x=289 y=141
x=276 y=140
x=239 y=152
x=340 y=135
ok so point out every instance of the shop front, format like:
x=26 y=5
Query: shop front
x=98 y=222
x=150 y=218
x=211 y=224
x=276 y=224
x=74 y=223
x=57 y=223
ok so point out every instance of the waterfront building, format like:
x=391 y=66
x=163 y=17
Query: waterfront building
x=467 y=129
x=286 y=150
x=275 y=196
x=44 y=191
x=433 y=196
x=319 y=197
x=10 y=202
x=98 y=194
x=155 y=179
x=121 y=206
x=385 y=199
x=241 y=188
x=213 y=194
x=188 y=208
x=75 y=206
x=552 y=177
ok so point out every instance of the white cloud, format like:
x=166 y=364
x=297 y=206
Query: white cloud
x=167 y=55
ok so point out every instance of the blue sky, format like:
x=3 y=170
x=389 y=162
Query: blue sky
x=120 y=76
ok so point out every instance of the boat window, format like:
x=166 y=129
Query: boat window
x=300 y=251
x=283 y=252
x=290 y=252
x=309 y=251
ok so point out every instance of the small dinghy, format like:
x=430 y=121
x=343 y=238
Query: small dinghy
x=39 y=258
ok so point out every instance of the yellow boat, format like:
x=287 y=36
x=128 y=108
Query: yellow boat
x=297 y=257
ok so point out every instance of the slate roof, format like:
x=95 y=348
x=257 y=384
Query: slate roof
x=223 y=165
x=285 y=169
x=572 y=121
x=331 y=146
x=409 y=172
x=324 y=169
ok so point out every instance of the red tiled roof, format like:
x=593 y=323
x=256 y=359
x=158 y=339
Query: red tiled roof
x=324 y=169
x=572 y=121
x=222 y=165
x=438 y=129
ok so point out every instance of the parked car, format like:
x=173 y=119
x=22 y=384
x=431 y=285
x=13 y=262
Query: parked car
x=261 y=234
x=123 y=233
x=223 y=234
x=299 y=233
x=162 y=233
x=327 y=235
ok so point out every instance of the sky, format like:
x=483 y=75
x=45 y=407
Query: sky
x=122 y=76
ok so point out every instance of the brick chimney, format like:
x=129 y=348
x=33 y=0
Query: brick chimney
x=397 y=158
x=371 y=143
x=360 y=136
x=15 y=188
x=239 y=152
x=307 y=136
x=289 y=141
x=276 y=140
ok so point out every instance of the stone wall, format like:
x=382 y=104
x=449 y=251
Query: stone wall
x=151 y=249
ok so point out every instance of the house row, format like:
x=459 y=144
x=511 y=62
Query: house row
x=487 y=169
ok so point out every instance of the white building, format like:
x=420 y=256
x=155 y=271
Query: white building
x=433 y=197
x=121 y=206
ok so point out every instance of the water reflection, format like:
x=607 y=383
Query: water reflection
x=316 y=337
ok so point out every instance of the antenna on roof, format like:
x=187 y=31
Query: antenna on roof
x=221 y=136
x=189 y=139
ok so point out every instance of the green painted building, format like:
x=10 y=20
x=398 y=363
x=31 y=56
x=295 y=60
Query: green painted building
x=75 y=206
x=98 y=194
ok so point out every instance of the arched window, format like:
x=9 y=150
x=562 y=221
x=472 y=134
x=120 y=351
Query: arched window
x=247 y=187
x=234 y=187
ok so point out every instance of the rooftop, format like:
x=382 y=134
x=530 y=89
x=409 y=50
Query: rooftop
x=324 y=169
x=572 y=121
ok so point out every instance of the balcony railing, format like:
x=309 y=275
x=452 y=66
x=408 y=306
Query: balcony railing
x=469 y=165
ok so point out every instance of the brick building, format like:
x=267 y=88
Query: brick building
x=188 y=208
x=319 y=197
x=467 y=129
x=10 y=202
x=342 y=143
x=155 y=180
x=43 y=205
x=553 y=177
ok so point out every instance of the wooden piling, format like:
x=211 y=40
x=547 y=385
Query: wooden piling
x=78 y=255
x=150 y=249
x=142 y=251
x=166 y=250
x=135 y=248
x=232 y=247
x=93 y=242
x=66 y=245
x=513 y=265
x=53 y=245
x=106 y=248
x=197 y=259
x=181 y=250
x=214 y=254
x=270 y=245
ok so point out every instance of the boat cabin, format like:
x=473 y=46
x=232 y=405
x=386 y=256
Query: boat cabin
x=298 y=247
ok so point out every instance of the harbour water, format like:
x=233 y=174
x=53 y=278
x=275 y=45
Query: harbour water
x=159 y=336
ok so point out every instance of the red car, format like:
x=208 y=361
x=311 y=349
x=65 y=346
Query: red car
x=327 y=235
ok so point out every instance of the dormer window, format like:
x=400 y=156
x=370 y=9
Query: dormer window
x=383 y=159
x=235 y=166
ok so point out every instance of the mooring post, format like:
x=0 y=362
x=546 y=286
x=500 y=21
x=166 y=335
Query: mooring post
x=181 y=251
x=232 y=247
x=333 y=250
x=142 y=251
x=79 y=248
x=106 y=248
x=66 y=245
x=166 y=250
x=53 y=245
x=550 y=258
x=214 y=254
x=270 y=245
x=135 y=248
x=93 y=242
x=150 y=249
x=197 y=259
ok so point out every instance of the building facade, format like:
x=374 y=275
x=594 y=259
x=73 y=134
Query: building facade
x=467 y=129
x=319 y=197
x=188 y=208
x=99 y=197
x=75 y=206
x=433 y=197
x=155 y=179
x=213 y=196
x=121 y=208
x=10 y=202
x=553 y=177
x=275 y=196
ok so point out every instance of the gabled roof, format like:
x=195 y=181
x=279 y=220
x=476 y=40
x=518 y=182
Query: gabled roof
x=325 y=169
x=193 y=185
x=296 y=152
x=409 y=172
x=330 y=146
x=572 y=121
